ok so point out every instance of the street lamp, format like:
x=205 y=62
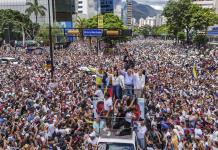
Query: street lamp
x=50 y=41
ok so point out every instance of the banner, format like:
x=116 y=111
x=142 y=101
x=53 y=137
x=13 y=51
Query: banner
x=141 y=103
x=100 y=21
x=194 y=71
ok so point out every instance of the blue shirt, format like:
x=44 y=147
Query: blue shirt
x=98 y=126
x=128 y=79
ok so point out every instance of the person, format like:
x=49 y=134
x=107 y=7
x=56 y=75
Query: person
x=128 y=81
x=118 y=85
x=99 y=94
x=98 y=125
x=141 y=131
x=108 y=107
x=139 y=83
x=153 y=138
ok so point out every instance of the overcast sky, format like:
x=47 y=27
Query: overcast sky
x=157 y=4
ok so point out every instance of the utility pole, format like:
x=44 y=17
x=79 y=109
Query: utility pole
x=50 y=41
x=97 y=25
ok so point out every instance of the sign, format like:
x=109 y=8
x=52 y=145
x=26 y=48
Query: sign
x=127 y=32
x=141 y=103
x=100 y=21
x=112 y=33
x=74 y=32
x=92 y=32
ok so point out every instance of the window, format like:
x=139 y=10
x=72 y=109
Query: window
x=80 y=2
x=80 y=11
x=80 y=6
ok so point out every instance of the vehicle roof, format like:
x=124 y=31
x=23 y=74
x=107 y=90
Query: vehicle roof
x=9 y=58
x=118 y=139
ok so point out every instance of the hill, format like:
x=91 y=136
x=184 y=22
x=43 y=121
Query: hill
x=143 y=11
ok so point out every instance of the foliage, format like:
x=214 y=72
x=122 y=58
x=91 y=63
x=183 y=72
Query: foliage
x=110 y=20
x=36 y=9
x=200 y=40
x=43 y=34
x=181 y=36
x=160 y=30
x=173 y=14
x=17 y=22
x=81 y=22
x=145 y=30
x=183 y=15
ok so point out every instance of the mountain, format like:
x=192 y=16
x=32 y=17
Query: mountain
x=143 y=11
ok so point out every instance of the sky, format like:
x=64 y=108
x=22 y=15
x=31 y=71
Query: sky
x=157 y=4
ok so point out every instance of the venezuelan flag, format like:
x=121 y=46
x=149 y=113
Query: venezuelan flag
x=194 y=71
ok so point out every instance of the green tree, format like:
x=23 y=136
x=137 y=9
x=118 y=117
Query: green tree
x=183 y=15
x=203 y=18
x=145 y=30
x=36 y=9
x=111 y=21
x=17 y=23
x=173 y=14
x=43 y=34
x=200 y=40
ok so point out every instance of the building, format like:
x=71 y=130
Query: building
x=205 y=3
x=129 y=12
x=213 y=4
x=90 y=8
x=152 y=21
x=106 y=6
x=60 y=10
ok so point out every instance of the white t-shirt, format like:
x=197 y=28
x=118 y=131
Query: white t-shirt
x=108 y=103
x=141 y=132
x=99 y=94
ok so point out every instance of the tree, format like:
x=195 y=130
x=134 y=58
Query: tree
x=110 y=20
x=17 y=22
x=200 y=40
x=36 y=9
x=204 y=18
x=145 y=30
x=43 y=34
x=183 y=15
x=174 y=17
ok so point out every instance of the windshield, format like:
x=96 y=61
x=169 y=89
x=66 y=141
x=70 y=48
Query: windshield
x=115 y=146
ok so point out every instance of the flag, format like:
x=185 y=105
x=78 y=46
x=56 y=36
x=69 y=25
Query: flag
x=194 y=71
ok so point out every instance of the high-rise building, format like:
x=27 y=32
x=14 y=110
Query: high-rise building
x=129 y=12
x=106 y=6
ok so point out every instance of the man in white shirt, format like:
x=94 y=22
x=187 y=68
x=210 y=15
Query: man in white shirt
x=139 y=83
x=141 y=134
x=99 y=94
x=108 y=107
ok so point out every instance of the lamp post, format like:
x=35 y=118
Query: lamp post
x=50 y=41
x=97 y=25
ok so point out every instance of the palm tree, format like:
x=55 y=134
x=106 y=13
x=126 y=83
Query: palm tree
x=36 y=9
x=81 y=22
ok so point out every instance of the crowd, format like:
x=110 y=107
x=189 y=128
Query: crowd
x=179 y=86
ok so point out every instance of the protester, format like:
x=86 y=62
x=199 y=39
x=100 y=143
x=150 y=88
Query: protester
x=179 y=89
